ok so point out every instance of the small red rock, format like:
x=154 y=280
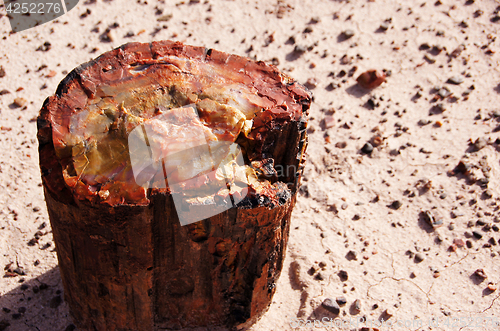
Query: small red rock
x=329 y=121
x=19 y=102
x=377 y=141
x=371 y=78
x=311 y=83
x=52 y=73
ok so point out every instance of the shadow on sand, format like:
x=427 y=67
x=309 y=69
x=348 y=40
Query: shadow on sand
x=36 y=304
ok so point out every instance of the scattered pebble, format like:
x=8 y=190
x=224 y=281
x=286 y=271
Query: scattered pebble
x=457 y=51
x=319 y=276
x=311 y=83
x=299 y=49
x=165 y=18
x=106 y=36
x=388 y=313
x=367 y=148
x=314 y=20
x=343 y=275
x=341 y=144
x=371 y=78
x=478 y=13
x=20 y=271
x=342 y=301
x=480 y=274
x=356 y=306
x=20 y=102
x=444 y=92
x=331 y=306
x=438 y=108
x=45 y=47
x=419 y=257
x=348 y=34
x=477 y=234
x=384 y=26
x=352 y=255
x=396 y=204
x=479 y=144
x=435 y=222
x=455 y=80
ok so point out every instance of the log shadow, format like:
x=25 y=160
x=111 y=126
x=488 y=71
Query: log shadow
x=37 y=304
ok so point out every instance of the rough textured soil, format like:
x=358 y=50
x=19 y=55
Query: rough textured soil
x=361 y=227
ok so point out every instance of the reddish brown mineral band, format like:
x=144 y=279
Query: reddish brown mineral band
x=126 y=262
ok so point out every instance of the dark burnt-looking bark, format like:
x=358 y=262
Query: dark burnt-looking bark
x=134 y=267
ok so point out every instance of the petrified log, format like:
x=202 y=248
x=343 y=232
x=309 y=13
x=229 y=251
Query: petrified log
x=149 y=234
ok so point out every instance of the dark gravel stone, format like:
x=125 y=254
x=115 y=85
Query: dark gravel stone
x=343 y=275
x=20 y=271
x=396 y=204
x=352 y=255
x=419 y=257
x=367 y=148
x=311 y=271
x=331 y=306
x=342 y=301
x=319 y=276
x=477 y=234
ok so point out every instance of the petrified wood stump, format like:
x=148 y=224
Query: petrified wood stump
x=123 y=171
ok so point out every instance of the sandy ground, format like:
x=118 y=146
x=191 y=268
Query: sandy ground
x=359 y=229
